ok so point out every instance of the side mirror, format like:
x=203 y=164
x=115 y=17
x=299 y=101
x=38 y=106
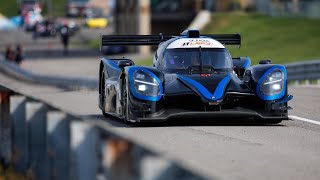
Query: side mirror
x=240 y=65
x=124 y=63
x=265 y=61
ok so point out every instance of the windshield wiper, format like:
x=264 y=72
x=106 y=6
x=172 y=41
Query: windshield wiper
x=200 y=69
x=205 y=69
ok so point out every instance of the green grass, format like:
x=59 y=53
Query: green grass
x=9 y=7
x=281 y=39
x=59 y=7
x=144 y=62
x=94 y=43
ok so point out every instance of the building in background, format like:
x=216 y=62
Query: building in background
x=106 y=6
x=77 y=8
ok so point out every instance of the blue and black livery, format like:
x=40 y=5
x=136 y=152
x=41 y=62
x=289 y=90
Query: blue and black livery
x=198 y=81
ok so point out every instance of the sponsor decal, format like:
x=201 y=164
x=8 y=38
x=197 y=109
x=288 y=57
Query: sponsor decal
x=195 y=42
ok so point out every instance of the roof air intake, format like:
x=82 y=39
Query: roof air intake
x=191 y=33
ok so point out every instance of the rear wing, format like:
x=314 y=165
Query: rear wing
x=226 y=39
x=144 y=40
x=149 y=40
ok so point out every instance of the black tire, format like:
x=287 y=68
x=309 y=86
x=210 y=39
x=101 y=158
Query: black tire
x=126 y=102
x=102 y=90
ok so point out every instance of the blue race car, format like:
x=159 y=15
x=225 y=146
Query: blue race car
x=193 y=75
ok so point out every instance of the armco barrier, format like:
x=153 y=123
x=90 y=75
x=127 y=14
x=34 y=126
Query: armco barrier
x=43 y=142
x=304 y=71
x=15 y=71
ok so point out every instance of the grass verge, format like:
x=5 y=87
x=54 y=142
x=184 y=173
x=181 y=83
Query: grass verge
x=281 y=39
x=10 y=8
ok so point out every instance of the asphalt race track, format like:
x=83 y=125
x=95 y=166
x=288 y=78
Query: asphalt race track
x=218 y=149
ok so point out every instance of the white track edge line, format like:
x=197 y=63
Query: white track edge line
x=305 y=119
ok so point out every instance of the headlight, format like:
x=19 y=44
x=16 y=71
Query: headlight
x=146 y=85
x=272 y=85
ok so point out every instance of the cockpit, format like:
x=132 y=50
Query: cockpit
x=197 y=58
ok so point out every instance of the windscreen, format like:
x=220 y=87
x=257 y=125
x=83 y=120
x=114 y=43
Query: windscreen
x=188 y=58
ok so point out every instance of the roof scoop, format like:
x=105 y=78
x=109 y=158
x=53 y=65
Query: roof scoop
x=191 y=33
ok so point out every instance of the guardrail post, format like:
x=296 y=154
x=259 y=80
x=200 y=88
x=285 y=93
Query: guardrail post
x=120 y=159
x=36 y=120
x=296 y=82
x=154 y=168
x=84 y=151
x=19 y=133
x=318 y=81
x=307 y=82
x=58 y=138
x=5 y=127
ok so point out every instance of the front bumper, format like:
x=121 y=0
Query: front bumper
x=228 y=113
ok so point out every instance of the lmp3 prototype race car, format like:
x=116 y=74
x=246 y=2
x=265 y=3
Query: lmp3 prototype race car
x=193 y=75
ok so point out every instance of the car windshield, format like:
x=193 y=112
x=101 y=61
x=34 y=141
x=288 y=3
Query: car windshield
x=197 y=59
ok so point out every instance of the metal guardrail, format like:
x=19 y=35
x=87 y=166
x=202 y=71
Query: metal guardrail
x=15 y=71
x=307 y=71
x=44 y=142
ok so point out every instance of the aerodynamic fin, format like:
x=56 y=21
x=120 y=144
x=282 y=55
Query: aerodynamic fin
x=149 y=40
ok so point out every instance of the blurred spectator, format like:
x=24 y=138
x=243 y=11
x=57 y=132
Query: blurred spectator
x=21 y=19
x=46 y=23
x=35 y=31
x=65 y=35
x=10 y=56
x=19 y=55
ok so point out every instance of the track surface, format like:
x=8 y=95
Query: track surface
x=218 y=149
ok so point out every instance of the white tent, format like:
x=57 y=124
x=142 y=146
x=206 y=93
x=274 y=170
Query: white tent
x=6 y=24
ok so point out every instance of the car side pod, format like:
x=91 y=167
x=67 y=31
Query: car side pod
x=281 y=105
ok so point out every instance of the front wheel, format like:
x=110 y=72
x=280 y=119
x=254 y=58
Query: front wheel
x=125 y=95
x=103 y=96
